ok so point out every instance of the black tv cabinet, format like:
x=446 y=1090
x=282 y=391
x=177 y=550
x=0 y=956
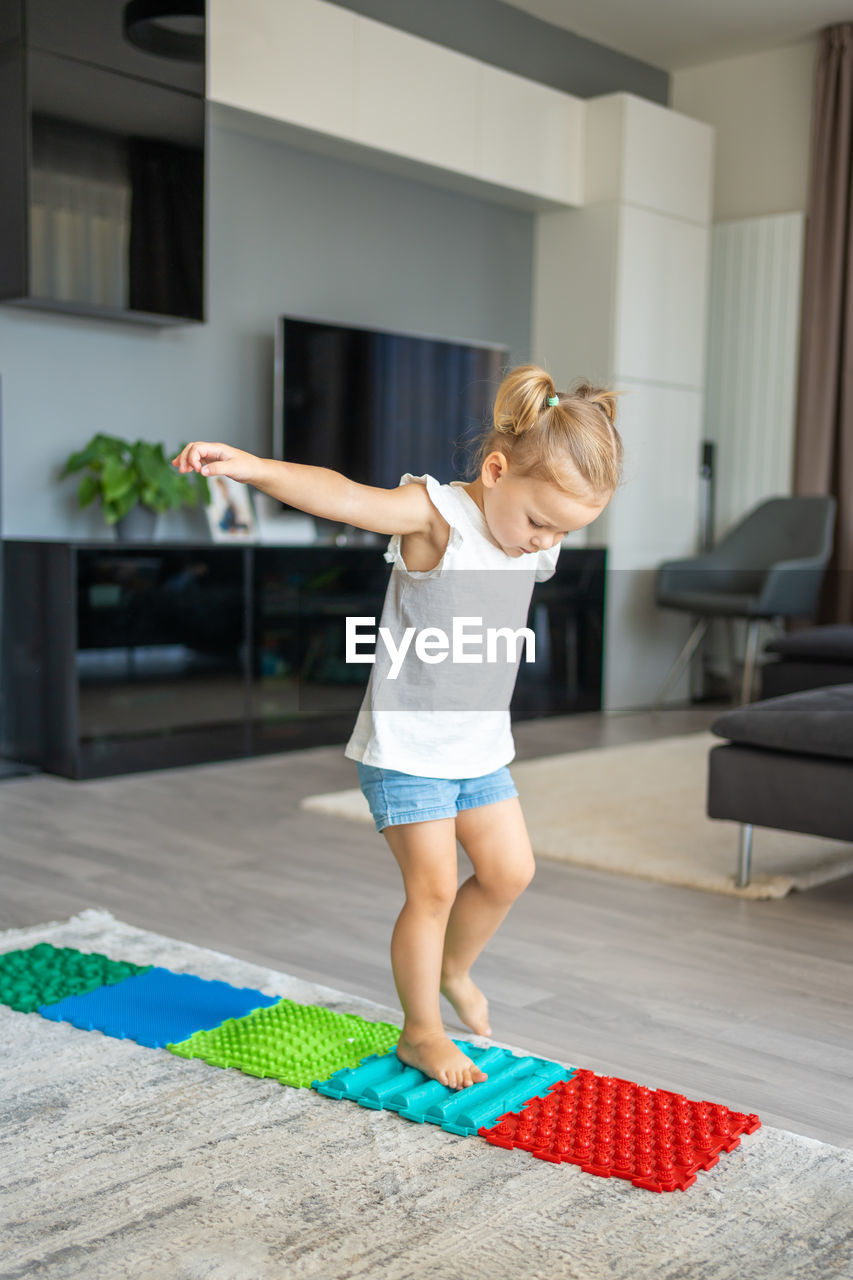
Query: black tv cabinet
x=123 y=657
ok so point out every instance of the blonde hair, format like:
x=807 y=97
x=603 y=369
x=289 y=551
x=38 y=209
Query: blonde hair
x=539 y=439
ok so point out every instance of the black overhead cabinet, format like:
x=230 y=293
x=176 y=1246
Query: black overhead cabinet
x=102 y=171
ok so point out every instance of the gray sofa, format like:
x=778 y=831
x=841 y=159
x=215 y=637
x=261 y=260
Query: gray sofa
x=808 y=659
x=787 y=764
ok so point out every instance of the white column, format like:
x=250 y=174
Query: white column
x=620 y=297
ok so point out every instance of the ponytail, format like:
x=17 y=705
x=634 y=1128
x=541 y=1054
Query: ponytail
x=606 y=400
x=522 y=397
x=561 y=436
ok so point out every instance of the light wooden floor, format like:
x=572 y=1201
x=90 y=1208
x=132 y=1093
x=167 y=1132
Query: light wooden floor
x=746 y=1003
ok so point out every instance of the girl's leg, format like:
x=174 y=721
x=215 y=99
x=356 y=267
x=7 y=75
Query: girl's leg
x=495 y=838
x=426 y=853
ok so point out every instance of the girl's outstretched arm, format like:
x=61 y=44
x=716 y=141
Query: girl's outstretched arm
x=317 y=490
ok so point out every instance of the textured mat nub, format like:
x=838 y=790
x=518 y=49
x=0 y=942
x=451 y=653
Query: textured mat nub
x=293 y=1043
x=387 y=1084
x=613 y=1128
x=156 y=1007
x=44 y=974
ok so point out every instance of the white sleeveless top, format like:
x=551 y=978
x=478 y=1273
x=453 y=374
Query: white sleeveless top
x=447 y=717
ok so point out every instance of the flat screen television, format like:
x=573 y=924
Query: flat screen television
x=374 y=404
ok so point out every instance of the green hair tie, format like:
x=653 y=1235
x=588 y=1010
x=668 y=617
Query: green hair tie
x=552 y=400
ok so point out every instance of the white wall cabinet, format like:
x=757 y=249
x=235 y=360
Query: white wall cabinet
x=655 y=513
x=531 y=137
x=289 y=60
x=646 y=155
x=663 y=270
x=317 y=67
x=435 y=115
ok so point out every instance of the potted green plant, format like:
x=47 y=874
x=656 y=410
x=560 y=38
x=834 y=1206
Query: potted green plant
x=134 y=482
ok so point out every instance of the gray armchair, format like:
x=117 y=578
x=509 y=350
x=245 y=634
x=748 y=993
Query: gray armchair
x=769 y=566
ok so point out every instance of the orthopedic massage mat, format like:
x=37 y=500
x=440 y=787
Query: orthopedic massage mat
x=609 y=1127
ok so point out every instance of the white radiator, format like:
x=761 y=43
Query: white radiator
x=751 y=381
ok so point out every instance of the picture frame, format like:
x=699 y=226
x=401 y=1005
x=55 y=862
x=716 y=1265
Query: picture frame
x=230 y=512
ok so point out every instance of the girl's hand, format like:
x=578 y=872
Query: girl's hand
x=322 y=492
x=217 y=460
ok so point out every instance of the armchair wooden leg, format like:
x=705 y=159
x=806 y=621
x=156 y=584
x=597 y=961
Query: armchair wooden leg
x=731 y=656
x=693 y=642
x=744 y=855
x=749 y=662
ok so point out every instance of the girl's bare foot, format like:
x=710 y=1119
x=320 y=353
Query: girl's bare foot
x=440 y=1059
x=469 y=1002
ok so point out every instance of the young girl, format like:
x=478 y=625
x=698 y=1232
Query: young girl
x=432 y=740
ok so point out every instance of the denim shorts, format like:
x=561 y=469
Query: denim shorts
x=396 y=797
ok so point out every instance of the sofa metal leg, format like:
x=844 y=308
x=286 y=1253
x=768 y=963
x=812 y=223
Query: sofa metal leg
x=744 y=855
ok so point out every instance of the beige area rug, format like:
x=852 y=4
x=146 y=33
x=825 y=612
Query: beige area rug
x=639 y=810
x=119 y=1162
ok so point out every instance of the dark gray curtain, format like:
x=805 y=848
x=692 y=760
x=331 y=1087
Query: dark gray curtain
x=824 y=440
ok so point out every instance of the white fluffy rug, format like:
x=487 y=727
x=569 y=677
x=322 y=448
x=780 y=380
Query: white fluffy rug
x=639 y=810
x=119 y=1162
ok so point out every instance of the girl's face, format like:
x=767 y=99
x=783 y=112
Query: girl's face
x=526 y=515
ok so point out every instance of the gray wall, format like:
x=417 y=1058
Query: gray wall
x=516 y=41
x=288 y=232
